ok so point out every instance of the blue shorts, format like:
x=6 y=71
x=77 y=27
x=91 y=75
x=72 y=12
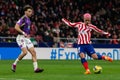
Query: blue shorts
x=86 y=48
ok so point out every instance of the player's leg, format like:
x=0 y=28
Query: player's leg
x=91 y=52
x=84 y=63
x=101 y=57
x=81 y=50
x=21 y=43
x=34 y=57
x=24 y=52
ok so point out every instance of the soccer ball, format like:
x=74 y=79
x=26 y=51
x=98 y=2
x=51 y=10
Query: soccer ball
x=97 y=69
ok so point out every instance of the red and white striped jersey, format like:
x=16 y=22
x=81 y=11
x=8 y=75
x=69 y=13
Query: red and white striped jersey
x=84 y=31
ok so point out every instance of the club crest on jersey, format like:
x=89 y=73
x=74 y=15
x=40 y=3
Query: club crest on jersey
x=82 y=32
x=85 y=31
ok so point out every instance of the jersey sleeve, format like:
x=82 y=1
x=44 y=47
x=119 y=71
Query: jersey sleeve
x=98 y=30
x=21 y=21
x=71 y=24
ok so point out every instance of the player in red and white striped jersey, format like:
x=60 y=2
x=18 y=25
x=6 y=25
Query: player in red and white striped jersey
x=84 y=37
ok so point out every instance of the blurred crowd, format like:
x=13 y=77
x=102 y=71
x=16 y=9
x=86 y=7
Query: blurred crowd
x=46 y=21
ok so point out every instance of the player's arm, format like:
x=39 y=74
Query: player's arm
x=70 y=24
x=17 y=27
x=100 y=31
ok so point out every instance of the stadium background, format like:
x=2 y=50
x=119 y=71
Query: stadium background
x=47 y=29
x=46 y=21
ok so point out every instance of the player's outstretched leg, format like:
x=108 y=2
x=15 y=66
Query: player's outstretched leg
x=107 y=58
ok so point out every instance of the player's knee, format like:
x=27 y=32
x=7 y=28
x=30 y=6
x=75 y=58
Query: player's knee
x=25 y=53
x=82 y=55
x=33 y=51
x=94 y=56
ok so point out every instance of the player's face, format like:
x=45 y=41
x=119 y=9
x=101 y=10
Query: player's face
x=29 y=12
x=87 y=21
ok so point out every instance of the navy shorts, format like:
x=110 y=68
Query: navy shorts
x=86 y=48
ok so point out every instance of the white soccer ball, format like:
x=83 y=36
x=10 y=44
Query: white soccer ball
x=97 y=69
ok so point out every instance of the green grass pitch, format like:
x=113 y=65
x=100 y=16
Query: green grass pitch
x=59 y=70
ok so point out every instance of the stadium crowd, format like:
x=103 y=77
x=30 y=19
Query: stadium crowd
x=46 y=21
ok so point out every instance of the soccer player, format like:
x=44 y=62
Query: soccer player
x=23 y=39
x=84 y=43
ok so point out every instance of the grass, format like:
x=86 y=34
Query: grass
x=59 y=70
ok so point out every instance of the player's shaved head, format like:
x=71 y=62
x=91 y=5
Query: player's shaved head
x=87 y=16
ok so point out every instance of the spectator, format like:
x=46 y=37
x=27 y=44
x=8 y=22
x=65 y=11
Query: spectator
x=114 y=40
x=49 y=13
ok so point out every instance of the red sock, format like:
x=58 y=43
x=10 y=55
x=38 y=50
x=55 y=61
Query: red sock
x=103 y=57
x=85 y=64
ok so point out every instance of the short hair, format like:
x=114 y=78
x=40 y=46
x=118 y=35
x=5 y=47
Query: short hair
x=26 y=7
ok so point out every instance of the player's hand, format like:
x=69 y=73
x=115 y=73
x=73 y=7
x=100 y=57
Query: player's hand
x=63 y=19
x=66 y=21
x=28 y=36
x=24 y=34
x=108 y=34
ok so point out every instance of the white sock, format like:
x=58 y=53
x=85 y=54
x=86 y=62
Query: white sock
x=35 y=65
x=16 y=61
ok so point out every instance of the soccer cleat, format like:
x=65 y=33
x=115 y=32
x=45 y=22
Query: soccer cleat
x=87 y=72
x=38 y=70
x=108 y=58
x=13 y=68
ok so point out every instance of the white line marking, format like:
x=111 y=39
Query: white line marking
x=2 y=78
x=10 y=79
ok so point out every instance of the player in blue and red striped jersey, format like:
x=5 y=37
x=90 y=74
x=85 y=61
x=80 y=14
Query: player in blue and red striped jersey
x=84 y=37
x=23 y=39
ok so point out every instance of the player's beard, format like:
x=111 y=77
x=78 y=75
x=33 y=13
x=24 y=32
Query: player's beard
x=87 y=23
x=29 y=15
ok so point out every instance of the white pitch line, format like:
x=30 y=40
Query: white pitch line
x=19 y=79
x=10 y=79
x=2 y=78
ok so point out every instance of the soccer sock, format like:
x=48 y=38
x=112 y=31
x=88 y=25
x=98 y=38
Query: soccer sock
x=16 y=61
x=84 y=63
x=99 y=56
x=35 y=65
x=103 y=57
